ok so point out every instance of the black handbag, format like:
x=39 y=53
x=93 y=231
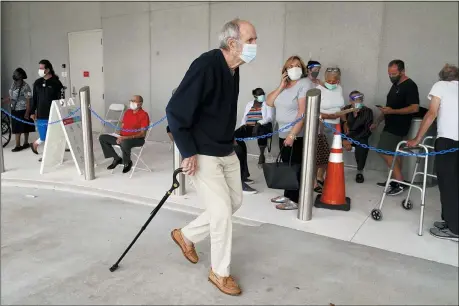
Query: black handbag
x=279 y=175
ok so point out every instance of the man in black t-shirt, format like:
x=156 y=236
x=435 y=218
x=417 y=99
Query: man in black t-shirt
x=402 y=103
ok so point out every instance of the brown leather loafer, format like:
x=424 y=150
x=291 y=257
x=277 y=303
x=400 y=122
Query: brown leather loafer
x=227 y=285
x=188 y=251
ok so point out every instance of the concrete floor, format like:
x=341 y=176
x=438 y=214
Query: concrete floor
x=56 y=248
x=396 y=232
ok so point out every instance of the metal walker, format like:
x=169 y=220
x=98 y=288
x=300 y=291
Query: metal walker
x=376 y=213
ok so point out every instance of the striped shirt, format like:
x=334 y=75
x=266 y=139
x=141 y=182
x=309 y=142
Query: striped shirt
x=254 y=115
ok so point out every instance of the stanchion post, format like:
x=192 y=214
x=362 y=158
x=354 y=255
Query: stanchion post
x=308 y=165
x=177 y=162
x=88 y=152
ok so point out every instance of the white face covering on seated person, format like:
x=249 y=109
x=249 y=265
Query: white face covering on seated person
x=133 y=105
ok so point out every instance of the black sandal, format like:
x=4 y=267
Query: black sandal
x=318 y=189
x=17 y=149
x=320 y=186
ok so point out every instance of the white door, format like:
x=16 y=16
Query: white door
x=86 y=69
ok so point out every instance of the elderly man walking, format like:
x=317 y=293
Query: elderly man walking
x=202 y=117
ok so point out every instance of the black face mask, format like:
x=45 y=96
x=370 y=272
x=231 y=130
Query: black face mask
x=394 y=79
x=16 y=78
x=315 y=74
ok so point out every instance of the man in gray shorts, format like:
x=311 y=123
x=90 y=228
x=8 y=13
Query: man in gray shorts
x=402 y=103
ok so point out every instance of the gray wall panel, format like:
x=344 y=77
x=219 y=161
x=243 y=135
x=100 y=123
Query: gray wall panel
x=178 y=36
x=127 y=58
x=113 y=9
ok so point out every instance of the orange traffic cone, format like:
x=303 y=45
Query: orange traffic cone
x=334 y=193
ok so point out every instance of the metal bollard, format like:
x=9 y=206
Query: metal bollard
x=308 y=164
x=86 y=125
x=177 y=162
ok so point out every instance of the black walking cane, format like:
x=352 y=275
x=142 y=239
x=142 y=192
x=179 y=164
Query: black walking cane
x=175 y=185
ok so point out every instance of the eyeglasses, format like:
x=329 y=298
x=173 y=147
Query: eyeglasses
x=333 y=70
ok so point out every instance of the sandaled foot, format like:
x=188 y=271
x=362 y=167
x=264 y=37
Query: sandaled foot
x=279 y=199
x=318 y=189
x=227 y=285
x=188 y=250
x=290 y=205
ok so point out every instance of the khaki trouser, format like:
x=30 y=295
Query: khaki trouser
x=218 y=184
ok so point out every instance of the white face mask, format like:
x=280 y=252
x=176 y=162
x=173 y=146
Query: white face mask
x=133 y=105
x=249 y=52
x=41 y=73
x=294 y=73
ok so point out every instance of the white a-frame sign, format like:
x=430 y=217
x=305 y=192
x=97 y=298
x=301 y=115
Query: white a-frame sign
x=66 y=131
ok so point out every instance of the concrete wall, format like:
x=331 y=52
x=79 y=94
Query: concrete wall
x=149 y=46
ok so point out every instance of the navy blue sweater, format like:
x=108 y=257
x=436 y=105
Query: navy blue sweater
x=202 y=113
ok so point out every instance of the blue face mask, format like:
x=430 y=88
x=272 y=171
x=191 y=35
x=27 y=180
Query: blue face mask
x=249 y=52
x=330 y=86
x=261 y=98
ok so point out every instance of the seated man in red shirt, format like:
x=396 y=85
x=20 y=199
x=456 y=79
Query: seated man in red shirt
x=133 y=119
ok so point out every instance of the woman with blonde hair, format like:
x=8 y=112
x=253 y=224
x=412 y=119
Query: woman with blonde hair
x=289 y=99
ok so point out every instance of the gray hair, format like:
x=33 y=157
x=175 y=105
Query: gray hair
x=448 y=73
x=229 y=30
